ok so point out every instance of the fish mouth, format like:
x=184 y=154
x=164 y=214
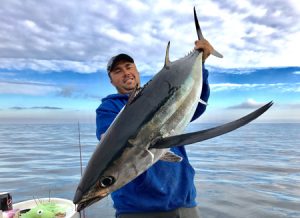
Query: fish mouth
x=80 y=206
x=87 y=200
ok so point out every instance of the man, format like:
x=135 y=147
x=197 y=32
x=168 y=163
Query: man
x=166 y=189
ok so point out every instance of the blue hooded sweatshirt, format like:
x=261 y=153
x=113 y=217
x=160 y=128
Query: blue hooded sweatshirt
x=164 y=186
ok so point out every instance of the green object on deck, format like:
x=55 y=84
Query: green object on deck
x=45 y=210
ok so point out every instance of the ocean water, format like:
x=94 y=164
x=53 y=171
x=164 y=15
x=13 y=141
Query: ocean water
x=251 y=172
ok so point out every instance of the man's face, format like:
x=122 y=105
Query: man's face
x=125 y=77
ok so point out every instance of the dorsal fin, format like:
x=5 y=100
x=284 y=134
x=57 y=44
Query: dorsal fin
x=134 y=94
x=167 y=58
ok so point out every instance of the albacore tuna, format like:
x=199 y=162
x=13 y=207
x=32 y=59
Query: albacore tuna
x=151 y=123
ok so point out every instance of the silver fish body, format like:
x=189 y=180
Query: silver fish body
x=163 y=107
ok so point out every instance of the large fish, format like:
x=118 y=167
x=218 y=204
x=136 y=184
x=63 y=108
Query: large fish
x=151 y=122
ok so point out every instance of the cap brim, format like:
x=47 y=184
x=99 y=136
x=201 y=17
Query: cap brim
x=115 y=60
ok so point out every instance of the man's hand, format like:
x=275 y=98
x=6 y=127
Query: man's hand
x=205 y=46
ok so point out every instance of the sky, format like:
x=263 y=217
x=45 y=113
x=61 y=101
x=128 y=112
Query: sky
x=53 y=54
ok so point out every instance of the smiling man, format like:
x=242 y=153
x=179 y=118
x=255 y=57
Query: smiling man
x=166 y=189
x=123 y=73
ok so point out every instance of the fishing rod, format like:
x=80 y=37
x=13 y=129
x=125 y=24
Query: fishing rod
x=80 y=156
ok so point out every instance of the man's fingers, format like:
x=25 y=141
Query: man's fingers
x=205 y=46
x=199 y=44
x=202 y=44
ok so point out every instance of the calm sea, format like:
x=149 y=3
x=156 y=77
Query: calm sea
x=251 y=172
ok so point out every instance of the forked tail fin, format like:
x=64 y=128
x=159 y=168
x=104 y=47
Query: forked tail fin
x=200 y=35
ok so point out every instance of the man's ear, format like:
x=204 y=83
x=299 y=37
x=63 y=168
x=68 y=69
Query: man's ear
x=110 y=79
x=112 y=82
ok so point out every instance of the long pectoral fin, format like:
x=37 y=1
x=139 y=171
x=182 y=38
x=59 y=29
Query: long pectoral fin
x=190 y=138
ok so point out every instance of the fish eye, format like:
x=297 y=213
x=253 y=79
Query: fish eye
x=107 y=181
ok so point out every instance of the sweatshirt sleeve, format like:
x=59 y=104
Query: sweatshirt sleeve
x=204 y=95
x=104 y=117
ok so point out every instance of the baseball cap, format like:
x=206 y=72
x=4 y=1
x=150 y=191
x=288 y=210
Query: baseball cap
x=115 y=59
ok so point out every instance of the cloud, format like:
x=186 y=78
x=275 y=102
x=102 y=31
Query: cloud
x=237 y=71
x=27 y=88
x=249 y=104
x=51 y=65
x=39 y=108
x=294 y=106
x=34 y=88
x=67 y=91
x=233 y=86
x=292 y=88
x=82 y=36
x=280 y=87
x=278 y=113
x=258 y=28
